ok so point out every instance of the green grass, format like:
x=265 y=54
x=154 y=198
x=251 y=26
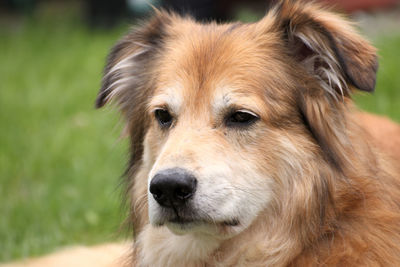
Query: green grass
x=386 y=98
x=60 y=160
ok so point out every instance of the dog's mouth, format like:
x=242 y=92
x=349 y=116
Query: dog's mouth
x=233 y=222
x=180 y=220
x=186 y=220
x=190 y=221
x=181 y=226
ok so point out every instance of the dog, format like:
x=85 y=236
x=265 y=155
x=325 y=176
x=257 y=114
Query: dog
x=246 y=148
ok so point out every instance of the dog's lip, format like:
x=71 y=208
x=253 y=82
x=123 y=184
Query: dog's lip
x=183 y=221
x=232 y=222
x=180 y=220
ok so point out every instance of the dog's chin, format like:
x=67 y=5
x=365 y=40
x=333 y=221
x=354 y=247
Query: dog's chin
x=182 y=228
x=222 y=229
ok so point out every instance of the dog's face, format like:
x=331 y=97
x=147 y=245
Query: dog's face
x=224 y=119
x=210 y=124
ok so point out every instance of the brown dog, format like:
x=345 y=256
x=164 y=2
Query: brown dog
x=245 y=147
x=246 y=150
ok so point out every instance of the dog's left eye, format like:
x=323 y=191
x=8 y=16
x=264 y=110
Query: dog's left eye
x=241 y=118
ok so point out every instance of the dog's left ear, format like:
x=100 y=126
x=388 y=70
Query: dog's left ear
x=336 y=60
x=327 y=46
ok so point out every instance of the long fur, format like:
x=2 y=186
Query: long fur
x=317 y=191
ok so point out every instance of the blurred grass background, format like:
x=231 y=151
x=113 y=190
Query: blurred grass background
x=386 y=98
x=60 y=159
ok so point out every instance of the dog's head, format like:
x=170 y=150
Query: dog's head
x=227 y=120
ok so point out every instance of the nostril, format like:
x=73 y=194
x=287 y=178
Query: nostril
x=173 y=187
x=157 y=191
x=157 y=194
x=183 y=193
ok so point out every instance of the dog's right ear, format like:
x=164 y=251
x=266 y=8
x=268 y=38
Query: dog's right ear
x=129 y=64
x=129 y=81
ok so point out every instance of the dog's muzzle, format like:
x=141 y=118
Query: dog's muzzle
x=173 y=187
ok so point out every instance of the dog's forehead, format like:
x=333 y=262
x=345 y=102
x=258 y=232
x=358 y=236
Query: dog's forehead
x=204 y=59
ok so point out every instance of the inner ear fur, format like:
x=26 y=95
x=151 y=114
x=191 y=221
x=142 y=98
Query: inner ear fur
x=328 y=47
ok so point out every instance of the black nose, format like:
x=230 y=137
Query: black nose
x=173 y=187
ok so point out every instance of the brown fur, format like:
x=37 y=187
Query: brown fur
x=334 y=194
x=385 y=133
x=296 y=68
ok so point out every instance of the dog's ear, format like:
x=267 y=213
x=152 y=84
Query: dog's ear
x=327 y=46
x=129 y=62
x=333 y=59
x=129 y=79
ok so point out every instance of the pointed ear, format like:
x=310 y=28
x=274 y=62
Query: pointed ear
x=126 y=74
x=327 y=47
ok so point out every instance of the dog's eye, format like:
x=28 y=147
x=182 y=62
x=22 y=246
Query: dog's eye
x=163 y=117
x=241 y=118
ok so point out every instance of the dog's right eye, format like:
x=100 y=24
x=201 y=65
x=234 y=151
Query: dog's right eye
x=163 y=117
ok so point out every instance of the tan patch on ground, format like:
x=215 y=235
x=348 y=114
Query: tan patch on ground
x=105 y=255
